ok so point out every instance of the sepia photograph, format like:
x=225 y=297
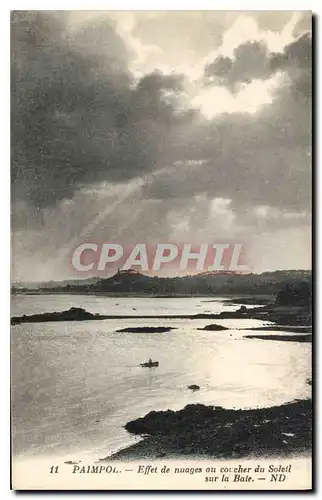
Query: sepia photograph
x=161 y=248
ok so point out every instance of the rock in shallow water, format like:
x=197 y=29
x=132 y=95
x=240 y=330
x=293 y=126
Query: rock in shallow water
x=146 y=329
x=214 y=328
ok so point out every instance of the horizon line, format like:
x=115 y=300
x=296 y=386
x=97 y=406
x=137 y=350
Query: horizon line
x=129 y=271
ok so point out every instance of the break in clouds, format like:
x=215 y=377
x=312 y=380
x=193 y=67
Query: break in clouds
x=159 y=126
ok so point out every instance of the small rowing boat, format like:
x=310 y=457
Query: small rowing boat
x=150 y=364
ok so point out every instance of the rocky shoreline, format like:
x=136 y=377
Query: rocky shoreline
x=146 y=329
x=287 y=316
x=282 y=338
x=211 y=431
x=72 y=314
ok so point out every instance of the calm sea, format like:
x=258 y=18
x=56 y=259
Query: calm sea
x=75 y=385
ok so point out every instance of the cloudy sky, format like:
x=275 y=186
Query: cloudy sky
x=160 y=126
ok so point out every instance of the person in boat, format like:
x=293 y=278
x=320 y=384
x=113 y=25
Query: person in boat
x=150 y=361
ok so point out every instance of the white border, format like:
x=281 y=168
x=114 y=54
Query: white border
x=163 y=5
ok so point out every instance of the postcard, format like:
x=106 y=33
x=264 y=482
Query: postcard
x=161 y=292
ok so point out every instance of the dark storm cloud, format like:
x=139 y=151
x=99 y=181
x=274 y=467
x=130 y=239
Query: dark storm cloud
x=77 y=116
x=252 y=60
x=84 y=130
x=263 y=158
x=257 y=159
x=251 y=159
x=295 y=55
